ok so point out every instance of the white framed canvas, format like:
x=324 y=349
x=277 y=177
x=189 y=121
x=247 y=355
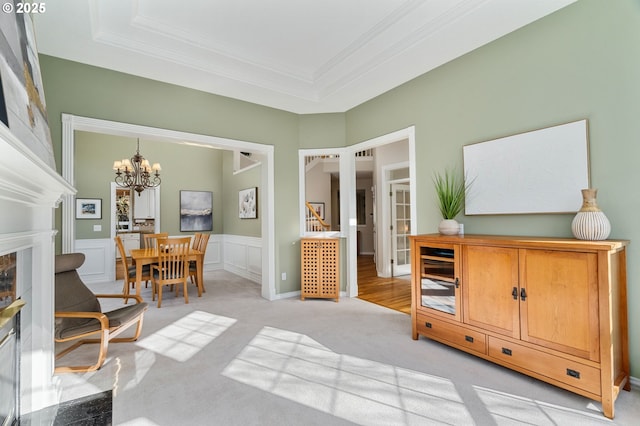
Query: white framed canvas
x=541 y=171
x=248 y=203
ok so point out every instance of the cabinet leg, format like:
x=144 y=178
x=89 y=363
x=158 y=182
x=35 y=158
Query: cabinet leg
x=608 y=410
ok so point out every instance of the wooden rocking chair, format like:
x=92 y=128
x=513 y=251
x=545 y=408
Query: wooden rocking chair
x=78 y=314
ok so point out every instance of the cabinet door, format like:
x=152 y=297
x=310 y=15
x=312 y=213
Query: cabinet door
x=151 y=204
x=490 y=289
x=310 y=257
x=131 y=242
x=329 y=275
x=144 y=204
x=560 y=310
x=437 y=285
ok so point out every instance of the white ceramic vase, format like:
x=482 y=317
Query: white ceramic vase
x=449 y=227
x=590 y=223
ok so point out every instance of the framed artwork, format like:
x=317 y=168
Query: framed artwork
x=196 y=211
x=22 y=104
x=517 y=175
x=318 y=208
x=88 y=208
x=248 y=203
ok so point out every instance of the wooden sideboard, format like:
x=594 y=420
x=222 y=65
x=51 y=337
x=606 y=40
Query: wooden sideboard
x=554 y=309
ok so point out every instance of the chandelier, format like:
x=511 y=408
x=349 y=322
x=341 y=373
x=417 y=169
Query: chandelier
x=136 y=173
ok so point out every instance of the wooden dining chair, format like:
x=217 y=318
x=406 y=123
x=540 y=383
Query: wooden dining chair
x=129 y=270
x=195 y=241
x=172 y=267
x=151 y=240
x=202 y=241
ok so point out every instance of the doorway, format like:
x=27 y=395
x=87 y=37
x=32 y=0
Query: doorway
x=71 y=123
x=393 y=159
x=384 y=278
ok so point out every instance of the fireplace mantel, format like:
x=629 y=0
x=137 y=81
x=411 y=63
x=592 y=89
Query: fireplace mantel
x=30 y=190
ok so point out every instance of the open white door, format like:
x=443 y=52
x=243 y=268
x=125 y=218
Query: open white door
x=400 y=229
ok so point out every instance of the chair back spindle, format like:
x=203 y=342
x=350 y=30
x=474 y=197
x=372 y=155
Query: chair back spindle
x=172 y=266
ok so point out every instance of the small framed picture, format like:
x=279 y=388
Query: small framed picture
x=88 y=208
x=248 y=203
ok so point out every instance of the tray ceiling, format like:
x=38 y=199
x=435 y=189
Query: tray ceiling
x=304 y=56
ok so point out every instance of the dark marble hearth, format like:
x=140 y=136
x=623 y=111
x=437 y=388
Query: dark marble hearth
x=90 y=410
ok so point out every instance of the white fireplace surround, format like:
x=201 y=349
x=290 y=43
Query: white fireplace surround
x=30 y=191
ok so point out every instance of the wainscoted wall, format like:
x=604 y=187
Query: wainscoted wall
x=100 y=260
x=234 y=253
x=243 y=256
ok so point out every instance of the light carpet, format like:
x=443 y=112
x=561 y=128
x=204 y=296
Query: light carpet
x=231 y=357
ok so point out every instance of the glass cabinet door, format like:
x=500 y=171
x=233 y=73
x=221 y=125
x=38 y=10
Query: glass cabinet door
x=439 y=283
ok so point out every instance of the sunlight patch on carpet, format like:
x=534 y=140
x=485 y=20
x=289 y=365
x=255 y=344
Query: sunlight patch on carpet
x=293 y=366
x=508 y=409
x=187 y=336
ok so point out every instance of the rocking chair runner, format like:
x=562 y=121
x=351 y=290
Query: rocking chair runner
x=78 y=314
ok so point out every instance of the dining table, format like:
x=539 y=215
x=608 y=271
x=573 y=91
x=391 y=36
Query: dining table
x=148 y=256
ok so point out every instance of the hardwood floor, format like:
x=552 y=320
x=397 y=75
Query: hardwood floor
x=393 y=293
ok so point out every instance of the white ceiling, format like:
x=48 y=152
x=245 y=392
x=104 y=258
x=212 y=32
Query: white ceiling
x=303 y=56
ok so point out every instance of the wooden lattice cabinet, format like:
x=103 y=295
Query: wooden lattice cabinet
x=320 y=268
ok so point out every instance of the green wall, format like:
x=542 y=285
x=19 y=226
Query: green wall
x=581 y=62
x=183 y=168
x=233 y=183
x=322 y=131
x=88 y=91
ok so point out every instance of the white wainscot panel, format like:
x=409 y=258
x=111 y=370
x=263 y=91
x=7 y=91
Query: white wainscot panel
x=99 y=263
x=213 y=255
x=243 y=256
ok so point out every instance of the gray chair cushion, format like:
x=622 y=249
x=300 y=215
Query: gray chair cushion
x=72 y=327
x=120 y=316
x=72 y=295
x=146 y=271
x=175 y=274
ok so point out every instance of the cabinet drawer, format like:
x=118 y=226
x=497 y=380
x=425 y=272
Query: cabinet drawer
x=557 y=368
x=451 y=333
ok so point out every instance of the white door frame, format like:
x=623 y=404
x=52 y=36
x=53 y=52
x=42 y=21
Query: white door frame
x=349 y=189
x=71 y=123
